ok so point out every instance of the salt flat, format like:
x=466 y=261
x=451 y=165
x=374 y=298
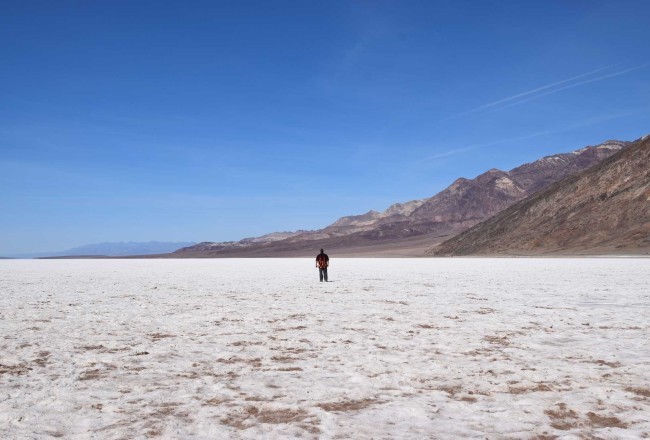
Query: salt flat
x=391 y=348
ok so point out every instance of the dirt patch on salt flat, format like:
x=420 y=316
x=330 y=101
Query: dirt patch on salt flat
x=102 y=348
x=281 y=415
x=451 y=390
x=248 y=416
x=348 y=405
x=284 y=359
x=159 y=336
x=92 y=374
x=496 y=340
x=645 y=392
x=246 y=343
x=90 y=347
x=598 y=421
x=611 y=364
x=431 y=326
x=15 y=370
x=402 y=303
x=562 y=417
x=167 y=408
x=42 y=359
x=255 y=362
x=292 y=350
x=96 y=373
x=531 y=389
x=215 y=401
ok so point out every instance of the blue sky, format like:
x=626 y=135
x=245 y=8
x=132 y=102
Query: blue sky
x=210 y=121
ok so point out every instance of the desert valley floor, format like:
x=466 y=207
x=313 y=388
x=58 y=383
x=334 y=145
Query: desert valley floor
x=390 y=348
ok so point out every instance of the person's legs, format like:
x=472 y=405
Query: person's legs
x=325 y=270
x=320 y=272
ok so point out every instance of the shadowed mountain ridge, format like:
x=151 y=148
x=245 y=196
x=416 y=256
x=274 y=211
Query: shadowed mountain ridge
x=604 y=209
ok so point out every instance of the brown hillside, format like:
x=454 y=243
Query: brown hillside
x=604 y=209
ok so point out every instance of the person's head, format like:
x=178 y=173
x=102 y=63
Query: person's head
x=321 y=251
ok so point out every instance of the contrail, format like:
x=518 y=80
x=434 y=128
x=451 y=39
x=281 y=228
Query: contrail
x=599 y=78
x=550 y=92
x=519 y=95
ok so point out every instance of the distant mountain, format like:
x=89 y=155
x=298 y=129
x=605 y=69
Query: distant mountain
x=119 y=249
x=604 y=209
x=418 y=223
x=208 y=246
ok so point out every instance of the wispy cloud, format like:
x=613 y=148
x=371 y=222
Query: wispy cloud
x=570 y=86
x=580 y=124
x=454 y=151
x=545 y=90
x=526 y=93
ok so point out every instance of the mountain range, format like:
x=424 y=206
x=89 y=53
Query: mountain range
x=604 y=209
x=115 y=249
x=412 y=228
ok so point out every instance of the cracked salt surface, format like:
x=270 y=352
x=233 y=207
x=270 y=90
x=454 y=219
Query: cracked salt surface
x=392 y=348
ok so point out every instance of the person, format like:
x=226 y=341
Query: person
x=322 y=261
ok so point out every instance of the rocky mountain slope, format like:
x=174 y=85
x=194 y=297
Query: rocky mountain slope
x=604 y=209
x=463 y=204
